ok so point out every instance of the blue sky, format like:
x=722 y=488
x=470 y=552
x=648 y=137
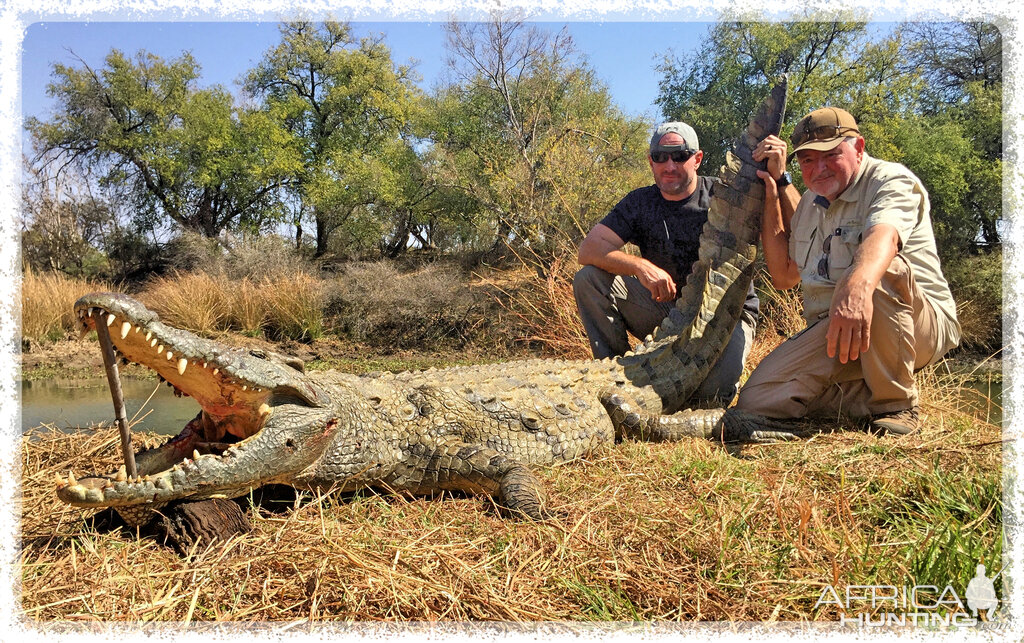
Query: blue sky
x=623 y=54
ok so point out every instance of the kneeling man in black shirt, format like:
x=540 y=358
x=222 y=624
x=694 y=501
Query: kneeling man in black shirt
x=616 y=291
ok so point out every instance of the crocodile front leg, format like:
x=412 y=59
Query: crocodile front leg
x=451 y=464
x=720 y=425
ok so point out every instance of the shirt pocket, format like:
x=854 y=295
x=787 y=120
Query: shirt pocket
x=844 y=243
x=803 y=237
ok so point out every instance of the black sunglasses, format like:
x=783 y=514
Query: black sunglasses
x=823 y=133
x=677 y=157
x=826 y=248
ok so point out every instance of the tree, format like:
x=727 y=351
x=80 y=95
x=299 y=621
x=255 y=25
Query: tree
x=63 y=223
x=420 y=210
x=343 y=101
x=962 y=62
x=716 y=88
x=529 y=132
x=184 y=153
x=912 y=105
x=954 y=55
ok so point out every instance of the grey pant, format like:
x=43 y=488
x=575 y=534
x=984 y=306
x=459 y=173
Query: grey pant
x=610 y=305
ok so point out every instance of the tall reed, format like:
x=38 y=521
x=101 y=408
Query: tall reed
x=194 y=301
x=282 y=308
x=294 y=307
x=247 y=310
x=46 y=303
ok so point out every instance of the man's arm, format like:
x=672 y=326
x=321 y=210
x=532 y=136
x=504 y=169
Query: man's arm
x=602 y=248
x=777 y=214
x=850 y=315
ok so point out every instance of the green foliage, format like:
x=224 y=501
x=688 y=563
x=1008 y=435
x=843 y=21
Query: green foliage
x=716 y=88
x=185 y=154
x=941 y=156
x=976 y=281
x=953 y=56
x=925 y=95
x=531 y=135
x=343 y=103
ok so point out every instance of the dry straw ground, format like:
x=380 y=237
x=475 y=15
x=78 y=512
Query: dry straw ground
x=690 y=531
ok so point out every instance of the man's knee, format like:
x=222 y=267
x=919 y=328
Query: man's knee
x=789 y=377
x=591 y=279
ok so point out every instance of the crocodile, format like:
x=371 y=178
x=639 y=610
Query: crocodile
x=475 y=429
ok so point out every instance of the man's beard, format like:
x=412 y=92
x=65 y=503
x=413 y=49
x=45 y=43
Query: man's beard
x=673 y=186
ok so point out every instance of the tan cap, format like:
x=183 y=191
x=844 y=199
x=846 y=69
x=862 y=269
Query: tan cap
x=823 y=129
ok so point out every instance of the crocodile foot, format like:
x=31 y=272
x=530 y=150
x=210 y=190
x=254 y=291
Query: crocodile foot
x=720 y=425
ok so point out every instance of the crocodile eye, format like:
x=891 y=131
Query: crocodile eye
x=258 y=353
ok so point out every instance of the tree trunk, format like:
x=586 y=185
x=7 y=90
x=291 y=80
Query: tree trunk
x=321 y=237
x=184 y=525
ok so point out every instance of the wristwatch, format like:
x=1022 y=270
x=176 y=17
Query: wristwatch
x=784 y=180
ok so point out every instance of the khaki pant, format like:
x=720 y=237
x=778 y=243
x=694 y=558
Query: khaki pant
x=799 y=379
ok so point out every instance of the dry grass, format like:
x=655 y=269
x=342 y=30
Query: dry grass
x=294 y=307
x=682 y=531
x=687 y=531
x=194 y=301
x=246 y=311
x=780 y=318
x=543 y=310
x=46 y=302
x=284 y=308
x=544 y=315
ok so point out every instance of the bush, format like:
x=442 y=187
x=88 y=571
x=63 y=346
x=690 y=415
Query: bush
x=781 y=317
x=237 y=257
x=542 y=307
x=976 y=281
x=377 y=303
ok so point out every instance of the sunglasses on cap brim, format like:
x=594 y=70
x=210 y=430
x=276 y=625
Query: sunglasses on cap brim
x=823 y=133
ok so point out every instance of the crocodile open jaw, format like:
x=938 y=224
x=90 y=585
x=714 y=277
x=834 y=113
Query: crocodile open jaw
x=234 y=408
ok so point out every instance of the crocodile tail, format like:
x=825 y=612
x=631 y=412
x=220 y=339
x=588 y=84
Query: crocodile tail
x=676 y=358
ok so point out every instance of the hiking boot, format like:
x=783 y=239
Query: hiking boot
x=897 y=422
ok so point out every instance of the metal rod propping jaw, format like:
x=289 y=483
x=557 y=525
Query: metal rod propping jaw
x=110 y=364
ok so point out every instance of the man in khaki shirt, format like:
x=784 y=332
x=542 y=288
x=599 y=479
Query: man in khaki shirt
x=876 y=303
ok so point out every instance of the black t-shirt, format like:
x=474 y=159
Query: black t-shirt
x=668 y=232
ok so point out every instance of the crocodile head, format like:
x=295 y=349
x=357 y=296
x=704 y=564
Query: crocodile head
x=262 y=418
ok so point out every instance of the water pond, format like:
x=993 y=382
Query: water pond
x=70 y=404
